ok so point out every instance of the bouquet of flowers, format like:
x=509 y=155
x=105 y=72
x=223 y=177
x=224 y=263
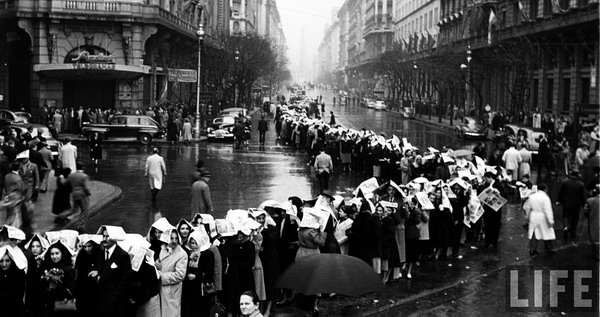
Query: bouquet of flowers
x=53 y=277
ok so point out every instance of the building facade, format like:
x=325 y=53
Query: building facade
x=101 y=54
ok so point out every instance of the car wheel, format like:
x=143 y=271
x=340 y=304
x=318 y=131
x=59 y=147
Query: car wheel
x=145 y=138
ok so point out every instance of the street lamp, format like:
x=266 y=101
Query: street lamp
x=200 y=34
x=235 y=94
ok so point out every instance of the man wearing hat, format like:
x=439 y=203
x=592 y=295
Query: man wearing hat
x=572 y=196
x=156 y=171
x=201 y=201
x=45 y=168
x=113 y=275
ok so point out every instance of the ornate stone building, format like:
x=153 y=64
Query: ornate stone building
x=102 y=54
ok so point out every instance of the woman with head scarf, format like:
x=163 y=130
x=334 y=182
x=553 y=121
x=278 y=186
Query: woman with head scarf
x=184 y=228
x=172 y=264
x=416 y=168
x=390 y=259
x=268 y=255
x=195 y=300
x=86 y=262
x=412 y=236
x=57 y=276
x=240 y=254
x=154 y=234
x=12 y=282
x=438 y=225
x=37 y=245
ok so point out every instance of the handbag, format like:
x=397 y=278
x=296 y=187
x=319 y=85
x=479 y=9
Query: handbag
x=65 y=304
x=207 y=288
x=217 y=309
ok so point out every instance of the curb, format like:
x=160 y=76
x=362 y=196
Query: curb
x=110 y=200
x=112 y=141
x=439 y=125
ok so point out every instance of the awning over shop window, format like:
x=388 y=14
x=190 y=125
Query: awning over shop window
x=91 y=71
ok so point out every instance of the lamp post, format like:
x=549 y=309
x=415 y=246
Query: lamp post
x=235 y=93
x=200 y=34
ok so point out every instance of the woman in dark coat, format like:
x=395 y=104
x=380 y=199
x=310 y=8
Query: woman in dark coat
x=458 y=204
x=171 y=131
x=412 y=236
x=12 y=285
x=62 y=196
x=95 y=148
x=144 y=291
x=364 y=236
x=268 y=257
x=390 y=256
x=438 y=226
x=194 y=302
x=57 y=258
x=241 y=255
x=87 y=287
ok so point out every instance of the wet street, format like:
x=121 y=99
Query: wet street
x=473 y=285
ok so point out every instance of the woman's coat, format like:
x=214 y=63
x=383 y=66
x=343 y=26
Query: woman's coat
x=173 y=267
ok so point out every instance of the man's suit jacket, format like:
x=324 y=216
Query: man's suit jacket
x=114 y=277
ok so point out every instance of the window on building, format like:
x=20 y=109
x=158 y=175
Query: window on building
x=535 y=93
x=585 y=90
x=533 y=9
x=435 y=15
x=566 y=100
x=516 y=13
x=549 y=93
x=547 y=7
x=453 y=8
x=564 y=4
x=431 y=19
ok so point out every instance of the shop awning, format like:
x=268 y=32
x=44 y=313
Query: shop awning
x=89 y=71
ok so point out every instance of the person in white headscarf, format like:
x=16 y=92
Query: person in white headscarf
x=198 y=285
x=12 y=282
x=172 y=265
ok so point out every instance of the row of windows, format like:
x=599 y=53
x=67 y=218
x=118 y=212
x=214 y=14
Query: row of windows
x=424 y=22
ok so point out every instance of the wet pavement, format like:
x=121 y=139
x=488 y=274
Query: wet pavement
x=473 y=285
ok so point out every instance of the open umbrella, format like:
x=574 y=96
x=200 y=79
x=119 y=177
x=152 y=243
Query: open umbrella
x=330 y=273
x=461 y=152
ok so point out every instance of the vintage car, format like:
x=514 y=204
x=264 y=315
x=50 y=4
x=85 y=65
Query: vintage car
x=530 y=135
x=221 y=128
x=138 y=127
x=408 y=112
x=15 y=116
x=53 y=143
x=471 y=127
x=234 y=112
x=380 y=105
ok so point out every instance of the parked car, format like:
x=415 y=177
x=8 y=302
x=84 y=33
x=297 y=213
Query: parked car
x=53 y=143
x=371 y=104
x=531 y=135
x=138 y=127
x=15 y=116
x=221 y=128
x=408 y=112
x=380 y=105
x=471 y=127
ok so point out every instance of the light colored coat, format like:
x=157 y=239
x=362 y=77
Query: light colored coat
x=155 y=169
x=187 y=131
x=68 y=156
x=538 y=209
x=172 y=272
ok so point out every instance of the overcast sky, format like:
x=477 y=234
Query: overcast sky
x=310 y=15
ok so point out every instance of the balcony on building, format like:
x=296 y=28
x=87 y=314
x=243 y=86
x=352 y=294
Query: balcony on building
x=376 y=24
x=147 y=11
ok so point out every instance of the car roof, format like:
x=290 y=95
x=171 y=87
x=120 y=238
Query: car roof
x=520 y=126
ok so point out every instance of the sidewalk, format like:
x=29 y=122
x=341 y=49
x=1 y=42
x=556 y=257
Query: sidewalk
x=103 y=195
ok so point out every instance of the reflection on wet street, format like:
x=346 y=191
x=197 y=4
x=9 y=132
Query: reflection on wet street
x=240 y=178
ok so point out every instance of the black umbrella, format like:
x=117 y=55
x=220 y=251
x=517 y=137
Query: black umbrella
x=330 y=273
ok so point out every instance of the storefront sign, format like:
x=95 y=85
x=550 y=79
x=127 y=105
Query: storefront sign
x=183 y=75
x=85 y=57
x=94 y=66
